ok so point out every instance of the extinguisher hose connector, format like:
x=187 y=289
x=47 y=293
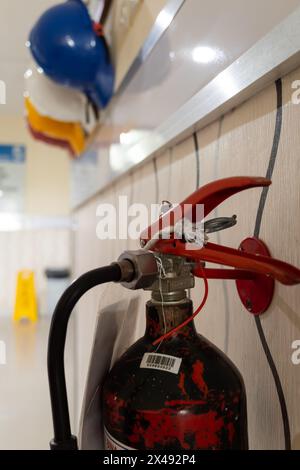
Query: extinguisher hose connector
x=63 y=439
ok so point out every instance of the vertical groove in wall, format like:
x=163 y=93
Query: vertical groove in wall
x=197 y=156
x=274 y=151
x=259 y=215
x=156 y=181
x=217 y=150
x=218 y=236
x=170 y=172
x=131 y=194
x=75 y=371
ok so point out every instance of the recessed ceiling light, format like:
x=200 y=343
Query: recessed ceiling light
x=204 y=54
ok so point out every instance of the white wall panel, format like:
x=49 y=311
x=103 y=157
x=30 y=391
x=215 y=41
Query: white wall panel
x=239 y=143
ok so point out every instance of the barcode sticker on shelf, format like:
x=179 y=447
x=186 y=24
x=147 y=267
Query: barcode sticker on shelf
x=161 y=362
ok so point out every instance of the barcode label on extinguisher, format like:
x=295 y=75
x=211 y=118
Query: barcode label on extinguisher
x=161 y=362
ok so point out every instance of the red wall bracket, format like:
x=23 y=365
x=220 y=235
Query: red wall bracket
x=256 y=294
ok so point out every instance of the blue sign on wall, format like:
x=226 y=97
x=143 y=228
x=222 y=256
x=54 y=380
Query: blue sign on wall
x=12 y=153
x=12 y=178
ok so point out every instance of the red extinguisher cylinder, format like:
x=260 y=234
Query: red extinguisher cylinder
x=183 y=394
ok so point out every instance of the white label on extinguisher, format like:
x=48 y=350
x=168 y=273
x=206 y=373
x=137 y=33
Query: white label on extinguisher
x=110 y=443
x=161 y=362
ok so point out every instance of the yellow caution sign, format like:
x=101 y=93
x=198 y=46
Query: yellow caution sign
x=26 y=302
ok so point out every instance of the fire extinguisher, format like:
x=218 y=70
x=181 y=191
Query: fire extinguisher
x=175 y=393
x=173 y=389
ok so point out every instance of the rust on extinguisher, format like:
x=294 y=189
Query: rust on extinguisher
x=202 y=407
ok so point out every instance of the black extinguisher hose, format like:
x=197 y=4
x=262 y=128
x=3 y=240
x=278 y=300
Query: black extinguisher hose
x=63 y=439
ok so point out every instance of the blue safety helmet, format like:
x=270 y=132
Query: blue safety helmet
x=65 y=45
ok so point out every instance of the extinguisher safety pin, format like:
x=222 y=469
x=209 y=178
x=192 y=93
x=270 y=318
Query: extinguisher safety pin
x=219 y=223
x=161 y=270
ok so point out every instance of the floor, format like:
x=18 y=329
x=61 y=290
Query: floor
x=25 y=414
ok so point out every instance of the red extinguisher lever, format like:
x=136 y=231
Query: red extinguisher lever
x=255 y=270
x=209 y=197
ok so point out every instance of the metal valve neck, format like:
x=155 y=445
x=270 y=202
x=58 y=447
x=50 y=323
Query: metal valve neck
x=174 y=278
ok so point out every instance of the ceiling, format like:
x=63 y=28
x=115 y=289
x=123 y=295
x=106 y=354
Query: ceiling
x=16 y=19
x=203 y=39
x=170 y=64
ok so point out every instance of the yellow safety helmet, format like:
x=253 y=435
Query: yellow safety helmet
x=70 y=132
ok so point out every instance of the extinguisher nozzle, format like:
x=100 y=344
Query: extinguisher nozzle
x=144 y=269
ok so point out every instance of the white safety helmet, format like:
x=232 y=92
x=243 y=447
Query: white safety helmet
x=58 y=102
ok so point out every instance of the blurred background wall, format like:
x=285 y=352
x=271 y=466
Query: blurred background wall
x=39 y=237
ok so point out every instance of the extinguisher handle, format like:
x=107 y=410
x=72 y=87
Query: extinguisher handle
x=208 y=196
x=213 y=253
